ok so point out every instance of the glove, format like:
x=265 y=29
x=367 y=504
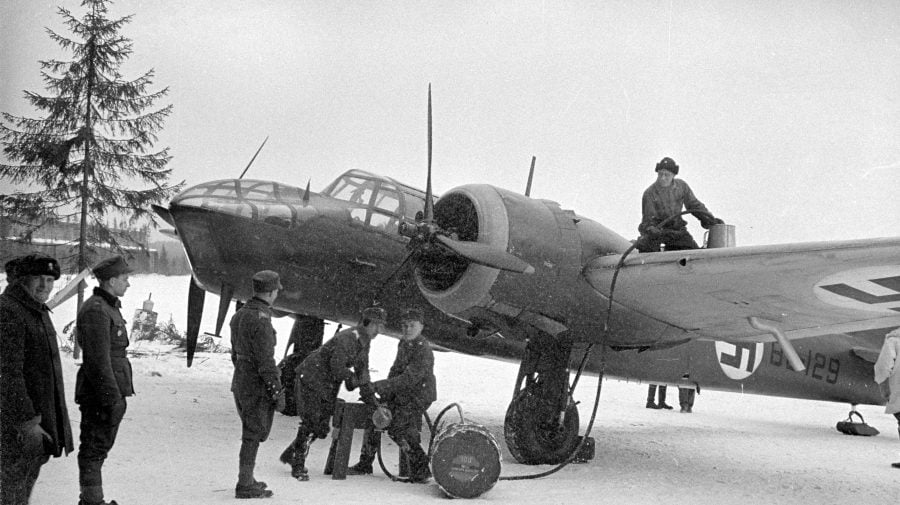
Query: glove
x=351 y=383
x=33 y=437
x=280 y=404
x=367 y=393
x=653 y=231
x=380 y=387
x=709 y=224
x=106 y=413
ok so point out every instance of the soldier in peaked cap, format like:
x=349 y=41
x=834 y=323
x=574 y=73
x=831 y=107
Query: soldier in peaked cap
x=104 y=379
x=34 y=419
x=256 y=384
x=343 y=359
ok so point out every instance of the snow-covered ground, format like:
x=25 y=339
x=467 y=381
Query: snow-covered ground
x=179 y=441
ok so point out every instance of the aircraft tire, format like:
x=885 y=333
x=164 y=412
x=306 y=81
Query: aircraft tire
x=533 y=442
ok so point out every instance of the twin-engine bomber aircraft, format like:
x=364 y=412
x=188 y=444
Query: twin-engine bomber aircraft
x=506 y=276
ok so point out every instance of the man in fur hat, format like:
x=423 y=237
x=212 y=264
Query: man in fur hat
x=33 y=417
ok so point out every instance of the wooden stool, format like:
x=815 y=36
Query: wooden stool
x=347 y=417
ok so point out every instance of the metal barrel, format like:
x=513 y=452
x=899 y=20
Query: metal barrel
x=720 y=235
x=465 y=460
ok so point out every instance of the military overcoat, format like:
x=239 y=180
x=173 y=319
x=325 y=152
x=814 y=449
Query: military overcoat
x=411 y=379
x=253 y=351
x=32 y=379
x=105 y=374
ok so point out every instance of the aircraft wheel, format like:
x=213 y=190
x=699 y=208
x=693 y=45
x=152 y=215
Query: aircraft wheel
x=535 y=439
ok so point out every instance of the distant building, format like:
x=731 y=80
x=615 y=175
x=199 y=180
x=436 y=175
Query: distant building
x=59 y=239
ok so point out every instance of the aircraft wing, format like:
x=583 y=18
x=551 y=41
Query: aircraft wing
x=805 y=290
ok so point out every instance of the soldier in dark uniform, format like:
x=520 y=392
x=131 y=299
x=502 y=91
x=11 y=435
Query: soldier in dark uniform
x=344 y=358
x=256 y=384
x=666 y=198
x=33 y=417
x=104 y=379
x=408 y=392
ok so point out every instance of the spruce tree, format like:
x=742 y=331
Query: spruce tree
x=93 y=146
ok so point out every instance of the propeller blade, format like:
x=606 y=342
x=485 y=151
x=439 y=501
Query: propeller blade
x=196 y=296
x=486 y=255
x=224 y=301
x=391 y=277
x=429 y=196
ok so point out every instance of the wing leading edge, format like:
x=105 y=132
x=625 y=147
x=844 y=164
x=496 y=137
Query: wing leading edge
x=806 y=290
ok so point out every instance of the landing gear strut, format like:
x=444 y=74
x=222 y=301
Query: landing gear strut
x=542 y=421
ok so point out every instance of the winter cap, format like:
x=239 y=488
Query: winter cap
x=10 y=267
x=33 y=264
x=111 y=267
x=667 y=164
x=265 y=281
x=413 y=315
x=375 y=315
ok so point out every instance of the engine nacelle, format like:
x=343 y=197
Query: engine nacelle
x=537 y=231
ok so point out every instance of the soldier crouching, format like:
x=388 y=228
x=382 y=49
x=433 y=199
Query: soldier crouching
x=407 y=392
x=343 y=359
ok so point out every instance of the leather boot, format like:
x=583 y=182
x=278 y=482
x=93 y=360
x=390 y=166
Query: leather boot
x=298 y=462
x=662 y=399
x=287 y=455
x=252 y=491
x=93 y=495
x=651 y=397
x=371 y=441
x=418 y=464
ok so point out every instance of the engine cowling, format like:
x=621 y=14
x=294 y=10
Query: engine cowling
x=537 y=231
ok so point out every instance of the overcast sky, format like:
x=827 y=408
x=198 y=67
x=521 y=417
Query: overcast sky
x=784 y=116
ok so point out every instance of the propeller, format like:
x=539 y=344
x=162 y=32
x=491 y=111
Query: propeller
x=426 y=234
x=196 y=297
x=224 y=301
x=429 y=196
x=486 y=255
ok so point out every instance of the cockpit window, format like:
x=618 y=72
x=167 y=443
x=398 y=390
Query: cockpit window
x=354 y=190
x=256 y=190
x=387 y=199
x=414 y=203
